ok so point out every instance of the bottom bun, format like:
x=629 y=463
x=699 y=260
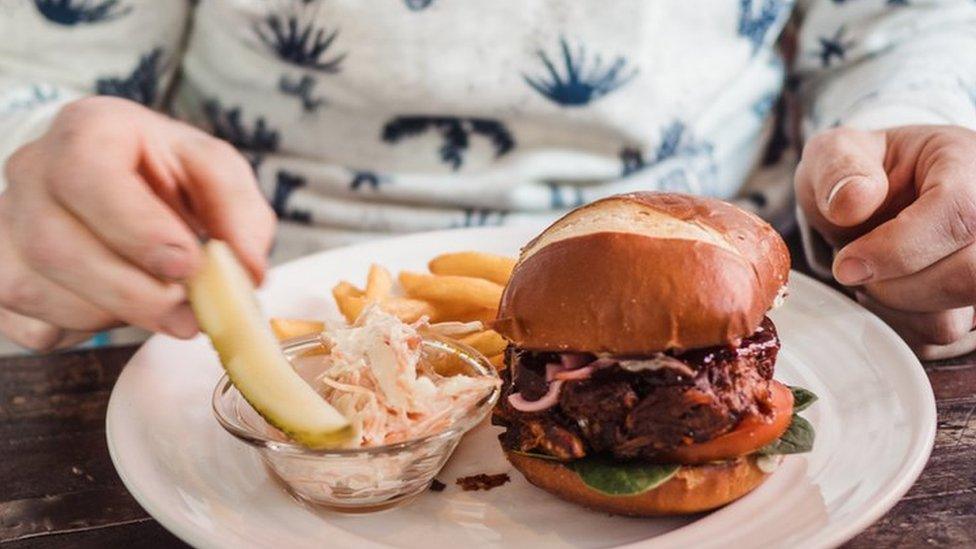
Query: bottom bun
x=694 y=488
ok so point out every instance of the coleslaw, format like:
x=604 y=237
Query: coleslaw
x=376 y=377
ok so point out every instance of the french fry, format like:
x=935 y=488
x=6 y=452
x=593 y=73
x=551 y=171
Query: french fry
x=484 y=316
x=287 y=328
x=498 y=361
x=460 y=312
x=470 y=295
x=463 y=291
x=346 y=288
x=351 y=306
x=408 y=309
x=487 y=342
x=379 y=283
x=495 y=268
x=350 y=300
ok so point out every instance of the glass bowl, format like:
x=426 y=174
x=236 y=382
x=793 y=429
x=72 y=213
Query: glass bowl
x=356 y=480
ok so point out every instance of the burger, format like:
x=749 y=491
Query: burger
x=639 y=376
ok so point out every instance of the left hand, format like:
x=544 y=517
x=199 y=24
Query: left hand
x=899 y=206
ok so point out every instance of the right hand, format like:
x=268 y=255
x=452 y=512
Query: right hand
x=101 y=219
x=899 y=207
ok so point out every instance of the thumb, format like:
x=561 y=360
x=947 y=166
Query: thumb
x=841 y=180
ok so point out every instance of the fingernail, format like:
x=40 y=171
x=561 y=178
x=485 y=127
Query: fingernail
x=852 y=271
x=837 y=188
x=170 y=262
x=180 y=323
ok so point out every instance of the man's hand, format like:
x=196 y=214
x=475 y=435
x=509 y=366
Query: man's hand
x=899 y=206
x=101 y=219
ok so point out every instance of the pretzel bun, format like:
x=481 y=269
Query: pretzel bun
x=693 y=489
x=644 y=272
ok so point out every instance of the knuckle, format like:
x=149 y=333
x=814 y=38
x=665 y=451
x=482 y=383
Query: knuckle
x=18 y=166
x=42 y=247
x=19 y=293
x=80 y=114
x=93 y=107
x=72 y=140
x=62 y=179
x=39 y=336
x=43 y=256
x=959 y=285
x=241 y=162
x=76 y=146
x=961 y=224
x=218 y=149
x=93 y=120
x=948 y=328
x=234 y=163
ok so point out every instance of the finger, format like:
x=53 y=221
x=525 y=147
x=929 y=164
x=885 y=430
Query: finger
x=225 y=197
x=941 y=222
x=934 y=329
x=26 y=292
x=60 y=248
x=950 y=283
x=121 y=209
x=959 y=347
x=37 y=335
x=841 y=181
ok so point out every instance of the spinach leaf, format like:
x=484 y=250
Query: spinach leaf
x=802 y=398
x=621 y=478
x=797 y=439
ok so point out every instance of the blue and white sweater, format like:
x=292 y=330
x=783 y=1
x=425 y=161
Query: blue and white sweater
x=364 y=119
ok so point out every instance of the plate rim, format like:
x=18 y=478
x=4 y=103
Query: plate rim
x=912 y=470
x=906 y=478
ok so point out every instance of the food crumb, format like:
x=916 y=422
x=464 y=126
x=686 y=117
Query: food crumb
x=482 y=481
x=437 y=486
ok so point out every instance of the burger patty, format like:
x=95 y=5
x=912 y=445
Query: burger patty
x=637 y=407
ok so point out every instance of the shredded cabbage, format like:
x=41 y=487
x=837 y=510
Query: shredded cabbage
x=375 y=377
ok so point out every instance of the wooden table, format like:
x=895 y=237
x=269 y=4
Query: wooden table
x=58 y=487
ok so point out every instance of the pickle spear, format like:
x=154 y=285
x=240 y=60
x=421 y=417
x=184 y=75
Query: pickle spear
x=222 y=298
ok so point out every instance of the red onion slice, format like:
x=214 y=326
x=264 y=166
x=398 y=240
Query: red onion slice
x=548 y=400
x=604 y=362
x=551 y=370
x=574 y=375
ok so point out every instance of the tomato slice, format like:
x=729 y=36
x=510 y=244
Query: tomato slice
x=752 y=433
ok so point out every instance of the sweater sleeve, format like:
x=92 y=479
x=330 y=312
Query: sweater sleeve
x=56 y=51
x=875 y=64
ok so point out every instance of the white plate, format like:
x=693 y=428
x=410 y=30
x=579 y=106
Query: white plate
x=875 y=424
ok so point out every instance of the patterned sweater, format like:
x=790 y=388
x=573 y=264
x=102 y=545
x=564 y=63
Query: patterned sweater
x=363 y=119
